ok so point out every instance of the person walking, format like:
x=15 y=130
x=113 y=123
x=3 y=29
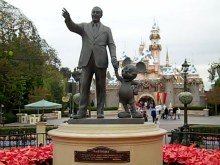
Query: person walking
x=166 y=112
x=153 y=113
x=93 y=58
x=145 y=116
x=145 y=105
x=174 y=112
x=178 y=113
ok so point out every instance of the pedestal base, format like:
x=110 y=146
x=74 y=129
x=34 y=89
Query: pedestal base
x=41 y=132
x=107 y=121
x=130 y=144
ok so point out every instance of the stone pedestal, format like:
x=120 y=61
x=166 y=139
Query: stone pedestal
x=41 y=133
x=206 y=112
x=92 y=144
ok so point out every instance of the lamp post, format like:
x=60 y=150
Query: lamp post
x=72 y=83
x=185 y=67
x=206 y=102
x=1 y=106
x=186 y=98
x=76 y=75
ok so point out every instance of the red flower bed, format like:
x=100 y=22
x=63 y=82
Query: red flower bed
x=172 y=154
x=26 y=156
x=176 y=153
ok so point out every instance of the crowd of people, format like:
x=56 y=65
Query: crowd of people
x=170 y=113
x=159 y=111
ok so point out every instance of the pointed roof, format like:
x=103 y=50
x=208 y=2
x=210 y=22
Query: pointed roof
x=43 y=104
x=155 y=26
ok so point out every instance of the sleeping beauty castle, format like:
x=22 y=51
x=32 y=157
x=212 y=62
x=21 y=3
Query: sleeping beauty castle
x=160 y=83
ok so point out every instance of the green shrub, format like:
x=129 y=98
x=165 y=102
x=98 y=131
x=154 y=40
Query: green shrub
x=205 y=128
x=22 y=129
x=10 y=117
x=106 y=108
x=193 y=108
x=111 y=108
x=211 y=111
x=17 y=130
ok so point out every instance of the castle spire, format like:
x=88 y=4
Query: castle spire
x=167 y=59
x=141 y=47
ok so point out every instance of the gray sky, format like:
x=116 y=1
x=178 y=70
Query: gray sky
x=189 y=28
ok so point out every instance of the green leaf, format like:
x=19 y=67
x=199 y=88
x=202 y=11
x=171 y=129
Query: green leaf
x=10 y=53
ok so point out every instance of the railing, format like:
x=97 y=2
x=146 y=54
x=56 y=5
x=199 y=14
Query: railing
x=202 y=140
x=23 y=140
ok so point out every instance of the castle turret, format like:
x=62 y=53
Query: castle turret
x=141 y=48
x=155 y=46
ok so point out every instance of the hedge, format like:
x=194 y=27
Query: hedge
x=205 y=128
x=106 y=108
x=21 y=129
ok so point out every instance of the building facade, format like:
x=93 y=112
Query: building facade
x=159 y=83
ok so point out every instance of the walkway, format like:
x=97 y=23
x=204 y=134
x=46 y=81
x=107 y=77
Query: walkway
x=168 y=124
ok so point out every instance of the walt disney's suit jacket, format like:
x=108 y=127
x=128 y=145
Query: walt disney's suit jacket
x=94 y=43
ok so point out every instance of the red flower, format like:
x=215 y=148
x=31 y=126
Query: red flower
x=27 y=156
x=174 y=153
x=190 y=155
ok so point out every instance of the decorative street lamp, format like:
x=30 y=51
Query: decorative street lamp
x=76 y=75
x=72 y=86
x=1 y=113
x=185 y=68
x=186 y=98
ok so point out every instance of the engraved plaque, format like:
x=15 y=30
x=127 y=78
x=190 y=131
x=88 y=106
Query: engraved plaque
x=102 y=154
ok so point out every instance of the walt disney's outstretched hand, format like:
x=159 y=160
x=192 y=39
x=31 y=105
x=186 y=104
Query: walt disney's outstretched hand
x=65 y=14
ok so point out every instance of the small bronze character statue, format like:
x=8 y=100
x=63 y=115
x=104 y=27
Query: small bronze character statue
x=126 y=91
x=93 y=58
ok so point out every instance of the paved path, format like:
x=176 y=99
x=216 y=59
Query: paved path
x=168 y=124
